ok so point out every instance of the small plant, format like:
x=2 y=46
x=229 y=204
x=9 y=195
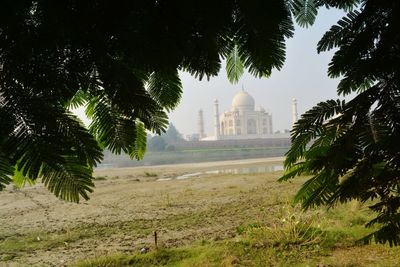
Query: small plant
x=100 y=178
x=150 y=174
x=7 y=257
x=246 y=228
x=293 y=228
x=232 y=187
x=168 y=202
x=297 y=227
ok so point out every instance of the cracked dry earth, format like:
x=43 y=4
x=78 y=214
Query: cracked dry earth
x=127 y=206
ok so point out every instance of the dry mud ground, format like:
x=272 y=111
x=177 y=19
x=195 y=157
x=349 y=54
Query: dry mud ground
x=127 y=206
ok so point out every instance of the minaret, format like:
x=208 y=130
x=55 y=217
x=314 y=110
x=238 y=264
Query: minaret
x=201 y=124
x=216 y=120
x=294 y=111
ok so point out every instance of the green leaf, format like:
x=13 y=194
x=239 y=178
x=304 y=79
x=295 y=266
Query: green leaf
x=78 y=100
x=318 y=190
x=305 y=12
x=6 y=170
x=293 y=171
x=68 y=181
x=140 y=145
x=234 y=65
x=310 y=126
x=57 y=141
x=165 y=88
x=20 y=179
x=112 y=130
x=336 y=33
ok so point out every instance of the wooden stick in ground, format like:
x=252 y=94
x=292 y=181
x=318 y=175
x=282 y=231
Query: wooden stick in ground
x=155 y=239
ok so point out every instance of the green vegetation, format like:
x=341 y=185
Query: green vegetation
x=293 y=238
x=244 y=253
x=351 y=149
x=40 y=241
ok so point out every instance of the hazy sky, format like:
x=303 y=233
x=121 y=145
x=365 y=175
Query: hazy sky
x=304 y=77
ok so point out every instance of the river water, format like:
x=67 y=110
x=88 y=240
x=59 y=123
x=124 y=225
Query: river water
x=238 y=170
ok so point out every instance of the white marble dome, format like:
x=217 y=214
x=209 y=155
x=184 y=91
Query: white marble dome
x=243 y=101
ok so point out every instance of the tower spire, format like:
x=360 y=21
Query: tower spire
x=216 y=120
x=201 y=124
x=294 y=111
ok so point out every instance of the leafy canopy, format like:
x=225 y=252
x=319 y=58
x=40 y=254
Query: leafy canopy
x=351 y=149
x=119 y=59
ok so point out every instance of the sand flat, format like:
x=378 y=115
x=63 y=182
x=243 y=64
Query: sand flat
x=127 y=206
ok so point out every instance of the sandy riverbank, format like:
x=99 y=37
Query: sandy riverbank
x=128 y=204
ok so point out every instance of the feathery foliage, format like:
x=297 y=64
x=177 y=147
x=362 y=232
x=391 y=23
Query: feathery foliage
x=305 y=11
x=120 y=60
x=351 y=149
x=234 y=65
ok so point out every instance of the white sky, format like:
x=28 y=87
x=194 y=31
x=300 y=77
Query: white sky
x=304 y=77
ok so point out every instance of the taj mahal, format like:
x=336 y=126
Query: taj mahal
x=242 y=121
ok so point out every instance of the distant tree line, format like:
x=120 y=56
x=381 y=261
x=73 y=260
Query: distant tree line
x=165 y=141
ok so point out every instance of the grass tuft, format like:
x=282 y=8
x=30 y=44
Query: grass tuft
x=150 y=174
x=100 y=178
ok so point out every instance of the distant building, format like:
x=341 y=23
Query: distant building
x=243 y=121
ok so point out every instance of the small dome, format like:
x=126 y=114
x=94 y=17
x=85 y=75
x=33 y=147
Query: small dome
x=260 y=108
x=243 y=101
